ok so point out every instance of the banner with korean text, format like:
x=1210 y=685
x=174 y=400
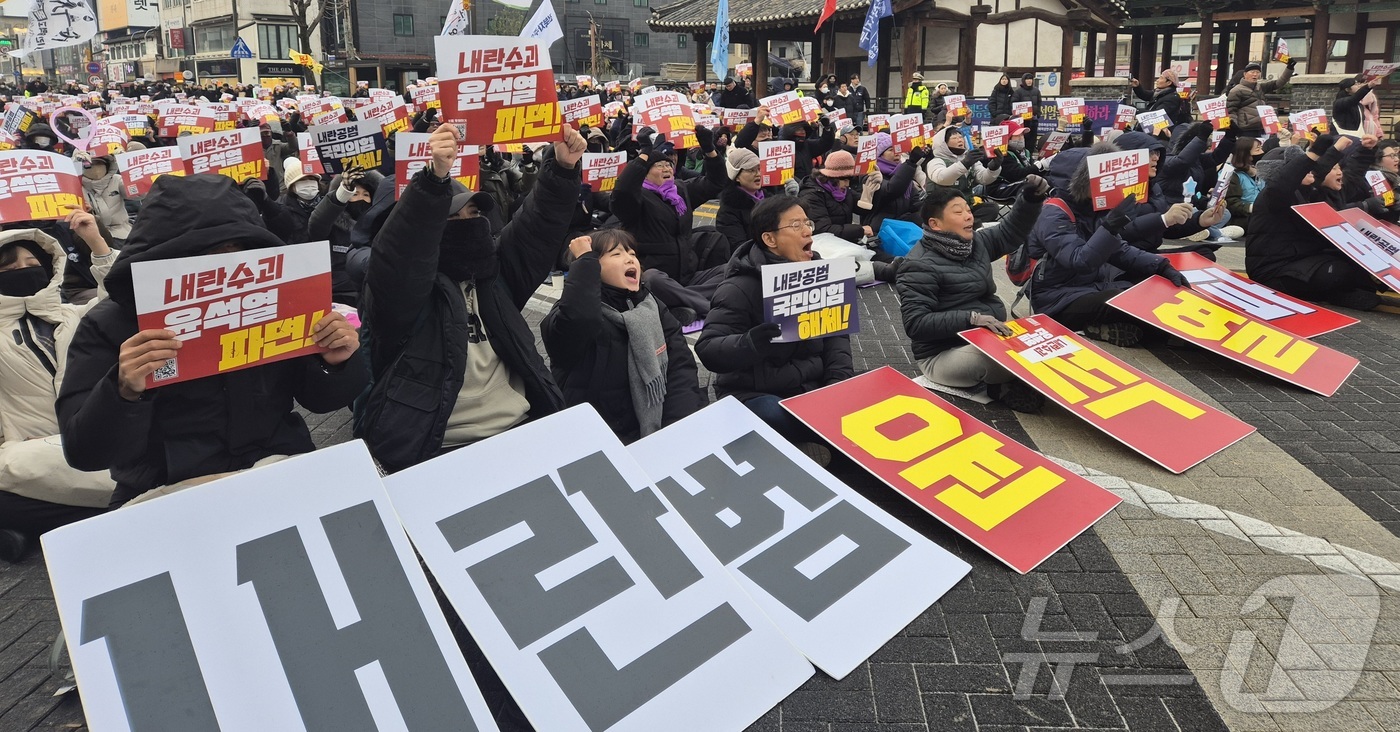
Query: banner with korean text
x=1214 y=282
x=670 y=114
x=412 y=153
x=1369 y=243
x=391 y=114
x=140 y=168
x=237 y=154
x=582 y=111
x=600 y=170
x=500 y=87
x=184 y=119
x=776 y=159
x=350 y=145
x=38 y=185
x=813 y=299
x=1117 y=175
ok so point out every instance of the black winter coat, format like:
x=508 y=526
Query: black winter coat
x=830 y=215
x=939 y=294
x=999 y=101
x=663 y=236
x=1278 y=238
x=735 y=208
x=896 y=198
x=1023 y=93
x=417 y=318
x=194 y=428
x=1166 y=100
x=588 y=354
x=790 y=369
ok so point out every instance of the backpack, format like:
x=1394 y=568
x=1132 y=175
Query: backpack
x=1020 y=265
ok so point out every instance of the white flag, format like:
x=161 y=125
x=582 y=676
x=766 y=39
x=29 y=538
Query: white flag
x=456 y=23
x=519 y=4
x=57 y=23
x=544 y=25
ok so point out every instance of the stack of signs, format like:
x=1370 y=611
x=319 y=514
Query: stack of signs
x=1164 y=425
x=600 y=170
x=350 y=145
x=1023 y=110
x=501 y=88
x=412 y=153
x=1222 y=184
x=1377 y=71
x=1014 y=503
x=876 y=122
x=1054 y=142
x=1281 y=52
x=1370 y=243
x=776 y=159
x=1071 y=110
x=306 y=152
x=866 y=154
x=1125 y=117
x=784 y=109
x=582 y=111
x=1115 y=176
x=391 y=114
x=956 y=106
x=235 y=310
x=109 y=137
x=175 y=120
x=1380 y=187
x=995 y=139
x=1269 y=119
x=237 y=154
x=1154 y=122
x=36 y=185
x=1214 y=111
x=669 y=114
x=810 y=300
x=140 y=168
x=1308 y=123
x=906 y=130
x=1240 y=293
x=1236 y=336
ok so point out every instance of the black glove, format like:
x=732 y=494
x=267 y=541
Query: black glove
x=1322 y=144
x=706 y=138
x=1166 y=270
x=255 y=190
x=1121 y=215
x=995 y=162
x=658 y=153
x=1292 y=63
x=431 y=114
x=1035 y=188
x=1202 y=130
x=760 y=338
x=973 y=157
x=1088 y=125
x=644 y=136
x=918 y=155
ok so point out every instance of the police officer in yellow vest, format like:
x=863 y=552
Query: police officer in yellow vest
x=916 y=98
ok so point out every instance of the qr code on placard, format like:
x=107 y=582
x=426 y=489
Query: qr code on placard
x=167 y=371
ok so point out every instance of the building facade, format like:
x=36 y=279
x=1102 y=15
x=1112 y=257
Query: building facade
x=199 y=38
x=387 y=43
x=626 y=46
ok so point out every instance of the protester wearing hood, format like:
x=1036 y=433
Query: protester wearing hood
x=945 y=286
x=1027 y=91
x=205 y=427
x=40 y=137
x=453 y=358
x=102 y=189
x=1167 y=176
x=737 y=345
x=999 y=101
x=333 y=219
x=956 y=165
x=1084 y=255
x=809 y=143
x=1282 y=250
x=827 y=198
x=38 y=490
x=611 y=344
x=1244 y=98
x=1356 y=111
x=1164 y=97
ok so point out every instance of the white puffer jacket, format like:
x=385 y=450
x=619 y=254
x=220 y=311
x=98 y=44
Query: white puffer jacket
x=104 y=196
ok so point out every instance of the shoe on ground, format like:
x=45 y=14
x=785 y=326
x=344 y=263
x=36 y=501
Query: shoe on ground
x=13 y=545
x=1123 y=335
x=819 y=453
x=1357 y=300
x=885 y=271
x=1232 y=232
x=684 y=315
x=1201 y=235
x=1017 y=397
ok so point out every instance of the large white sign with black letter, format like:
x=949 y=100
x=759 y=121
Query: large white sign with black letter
x=837 y=574
x=590 y=596
x=283 y=598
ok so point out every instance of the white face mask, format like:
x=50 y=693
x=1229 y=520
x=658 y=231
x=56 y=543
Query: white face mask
x=306 y=189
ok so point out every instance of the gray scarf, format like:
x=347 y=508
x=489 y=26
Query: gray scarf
x=953 y=247
x=646 y=366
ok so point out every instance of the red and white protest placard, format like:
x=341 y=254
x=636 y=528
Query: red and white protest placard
x=906 y=130
x=37 y=185
x=1212 y=281
x=866 y=154
x=1071 y=109
x=584 y=80
x=995 y=139
x=613 y=109
x=811 y=109
x=1213 y=111
x=1377 y=71
x=1115 y=176
x=225 y=116
x=775 y=161
x=412 y=153
x=237 y=154
x=1023 y=110
x=1054 y=142
x=425 y=97
x=1165 y=426
x=1127 y=114
x=612 y=87
x=236 y=310
x=263 y=114
x=735 y=119
x=1281 y=52
x=501 y=88
x=669 y=113
x=1308 y=122
x=784 y=108
x=175 y=120
x=877 y=122
x=1014 y=503
x=391 y=114
x=600 y=170
x=328 y=111
x=306 y=153
x=140 y=168
x=1236 y=336
x=1370 y=243
x=1268 y=117
x=1380 y=186
x=955 y=105
x=582 y=111
x=1154 y=122
x=380 y=95
x=109 y=137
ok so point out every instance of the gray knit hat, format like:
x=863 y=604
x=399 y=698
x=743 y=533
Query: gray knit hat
x=738 y=159
x=1273 y=161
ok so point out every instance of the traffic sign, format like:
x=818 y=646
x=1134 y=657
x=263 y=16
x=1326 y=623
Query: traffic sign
x=94 y=67
x=94 y=80
x=241 y=50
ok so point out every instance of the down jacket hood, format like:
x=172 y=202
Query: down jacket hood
x=940 y=144
x=184 y=217
x=1060 y=174
x=58 y=260
x=1140 y=141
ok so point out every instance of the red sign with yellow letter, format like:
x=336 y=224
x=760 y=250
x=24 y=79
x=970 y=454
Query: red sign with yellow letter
x=1007 y=498
x=1236 y=336
x=1165 y=426
x=500 y=87
x=1215 y=282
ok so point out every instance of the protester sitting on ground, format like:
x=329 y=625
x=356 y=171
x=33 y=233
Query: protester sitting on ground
x=1084 y=255
x=737 y=345
x=890 y=189
x=1245 y=186
x=38 y=491
x=954 y=165
x=335 y=217
x=453 y=359
x=614 y=346
x=1167 y=174
x=827 y=197
x=1373 y=156
x=168 y=436
x=1282 y=250
x=945 y=286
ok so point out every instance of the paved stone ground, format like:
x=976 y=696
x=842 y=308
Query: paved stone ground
x=1257 y=591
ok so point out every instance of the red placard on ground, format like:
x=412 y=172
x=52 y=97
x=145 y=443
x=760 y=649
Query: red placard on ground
x=600 y=170
x=1165 y=426
x=140 y=168
x=1015 y=503
x=237 y=154
x=775 y=161
x=1370 y=243
x=236 y=310
x=500 y=87
x=1217 y=283
x=37 y=185
x=412 y=154
x=1236 y=336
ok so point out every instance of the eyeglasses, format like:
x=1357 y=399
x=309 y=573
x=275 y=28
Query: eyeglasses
x=798 y=226
x=1391 y=155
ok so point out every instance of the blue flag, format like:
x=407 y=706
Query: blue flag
x=869 y=33
x=719 y=56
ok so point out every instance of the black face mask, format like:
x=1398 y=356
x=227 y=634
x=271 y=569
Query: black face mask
x=1255 y=158
x=23 y=282
x=466 y=250
x=356 y=209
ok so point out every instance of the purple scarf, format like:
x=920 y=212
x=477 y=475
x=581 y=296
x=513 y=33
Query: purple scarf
x=836 y=191
x=668 y=192
x=887 y=170
x=755 y=195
